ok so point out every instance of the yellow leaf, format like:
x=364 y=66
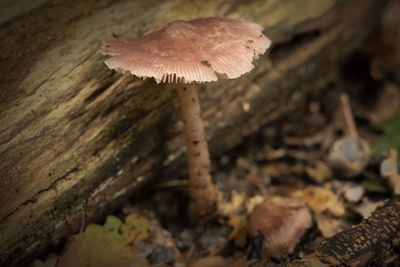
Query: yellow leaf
x=110 y=245
x=239 y=232
x=321 y=199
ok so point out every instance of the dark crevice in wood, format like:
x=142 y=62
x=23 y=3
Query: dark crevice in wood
x=52 y=186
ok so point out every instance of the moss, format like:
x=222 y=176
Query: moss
x=390 y=137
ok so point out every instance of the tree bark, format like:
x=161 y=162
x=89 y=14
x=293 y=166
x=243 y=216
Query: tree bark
x=75 y=136
x=371 y=242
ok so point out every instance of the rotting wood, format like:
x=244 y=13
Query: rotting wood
x=74 y=135
x=371 y=243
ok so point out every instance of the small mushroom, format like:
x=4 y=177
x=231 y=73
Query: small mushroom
x=185 y=53
x=349 y=155
x=281 y=222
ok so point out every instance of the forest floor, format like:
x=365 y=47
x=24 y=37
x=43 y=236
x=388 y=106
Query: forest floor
x=311 y=175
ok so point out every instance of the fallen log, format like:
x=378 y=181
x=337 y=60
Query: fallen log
x=371 y=243
x=75 y=136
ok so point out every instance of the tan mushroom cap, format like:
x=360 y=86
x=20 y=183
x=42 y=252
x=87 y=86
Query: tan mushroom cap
x=199 y=50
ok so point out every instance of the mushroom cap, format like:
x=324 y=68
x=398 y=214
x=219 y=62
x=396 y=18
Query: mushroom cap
x=199 y=50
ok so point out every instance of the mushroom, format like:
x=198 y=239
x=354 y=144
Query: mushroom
x=349 y=155
x=186 y=53
x=281 y=221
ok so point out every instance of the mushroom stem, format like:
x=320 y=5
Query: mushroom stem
x=202 y=191
x=348 y=116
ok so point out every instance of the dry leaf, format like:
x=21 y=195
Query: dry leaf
x=282 y=222
x=320 y=199
x=235 y=203
x=276 y=169
x=354 y=193
x=320 y=172
x=367 y=206
x=212 y=261
x=110 y=245
x=252 y=202
x=239 y=231
x=75 y=253
x=274 y=154
x=328 y=225
x=114 y=243
x=240 y=262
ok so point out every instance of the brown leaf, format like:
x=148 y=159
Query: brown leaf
x=212 y=261
x=239 y=232
x=367 y=206
x=110 y=245
x=252 y=202
x=282 y=222
x=328 y=225
x=320 y=172
x=75 y=253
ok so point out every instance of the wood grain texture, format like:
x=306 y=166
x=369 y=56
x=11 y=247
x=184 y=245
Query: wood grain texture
x=373 y=242
x=74 y=135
